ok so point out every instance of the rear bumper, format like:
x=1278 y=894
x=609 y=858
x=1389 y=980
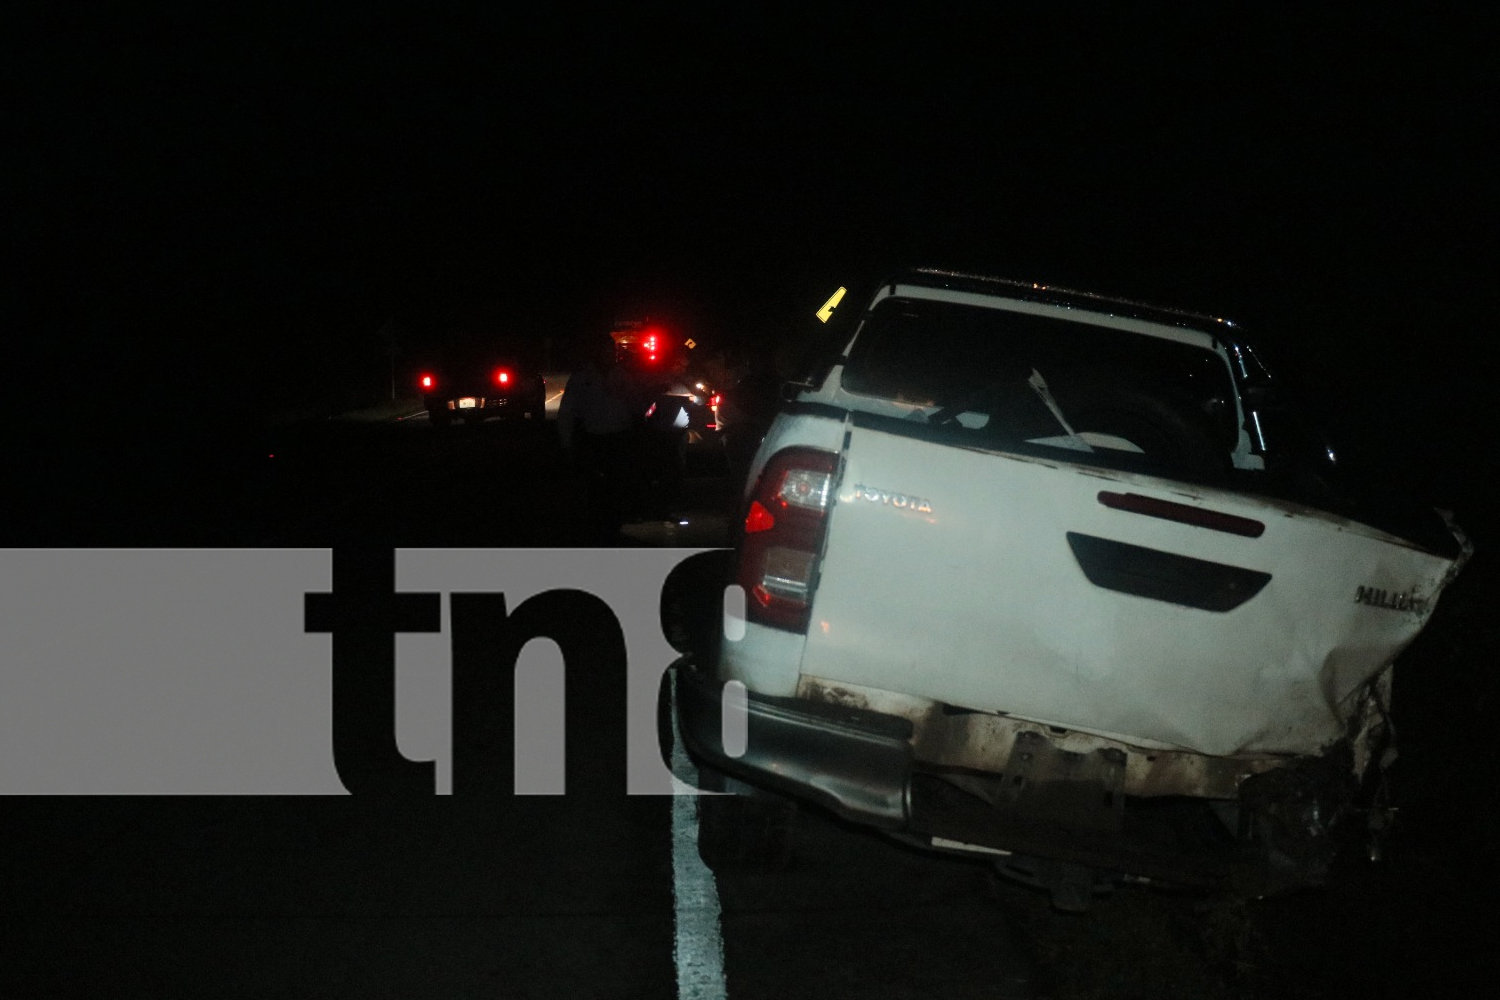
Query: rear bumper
x=855 y=762
x=487 y=405
x=860 y=765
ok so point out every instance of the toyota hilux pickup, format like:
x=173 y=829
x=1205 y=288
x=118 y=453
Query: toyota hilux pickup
x=1060 y=581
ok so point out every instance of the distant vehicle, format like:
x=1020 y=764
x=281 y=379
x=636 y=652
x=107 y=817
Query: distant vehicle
x=1064 y=582
x=474 y=382
x=679 y=399
x=686 y=405
x=645 y=344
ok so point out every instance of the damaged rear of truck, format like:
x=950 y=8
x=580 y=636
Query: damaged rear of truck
x=1066 y=582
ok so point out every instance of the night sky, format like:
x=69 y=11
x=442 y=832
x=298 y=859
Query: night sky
x=218 y=202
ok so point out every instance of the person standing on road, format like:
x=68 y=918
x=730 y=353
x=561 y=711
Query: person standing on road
x=665 y=437
x=598 y=423
x=749 y=406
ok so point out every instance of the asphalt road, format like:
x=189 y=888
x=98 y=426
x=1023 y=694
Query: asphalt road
x=590 y=894
x=536 y=897
x=594 y=893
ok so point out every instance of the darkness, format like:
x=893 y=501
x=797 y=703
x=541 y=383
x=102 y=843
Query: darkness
x=226 y=203
x=221 y=217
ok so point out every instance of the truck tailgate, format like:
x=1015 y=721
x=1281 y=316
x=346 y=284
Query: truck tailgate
x=1140 y=608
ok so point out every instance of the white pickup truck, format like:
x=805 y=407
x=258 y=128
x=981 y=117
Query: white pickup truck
x=1060 y=581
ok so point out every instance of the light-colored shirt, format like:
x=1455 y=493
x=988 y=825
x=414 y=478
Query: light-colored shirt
x=596 y=402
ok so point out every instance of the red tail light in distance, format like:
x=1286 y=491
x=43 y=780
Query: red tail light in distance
x=783 y=537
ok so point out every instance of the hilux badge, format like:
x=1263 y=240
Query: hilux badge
x=1390 y=600
x=889 y=499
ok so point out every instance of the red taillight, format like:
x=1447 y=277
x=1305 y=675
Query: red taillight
x=428 y=381
x=758 y=519
x=783 y=537
x=714 y=401
x=502 y=376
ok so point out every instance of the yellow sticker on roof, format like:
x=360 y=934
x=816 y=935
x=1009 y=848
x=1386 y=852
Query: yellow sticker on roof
x=833 y=303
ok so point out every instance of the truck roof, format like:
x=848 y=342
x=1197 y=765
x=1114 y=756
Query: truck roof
x=1032 y=291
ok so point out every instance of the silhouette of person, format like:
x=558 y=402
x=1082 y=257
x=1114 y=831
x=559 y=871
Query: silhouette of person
x=598 y=423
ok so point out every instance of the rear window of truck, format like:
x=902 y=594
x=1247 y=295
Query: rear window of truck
x=977 y=360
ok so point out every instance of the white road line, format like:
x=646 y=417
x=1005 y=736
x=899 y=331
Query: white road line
x=698 y=948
